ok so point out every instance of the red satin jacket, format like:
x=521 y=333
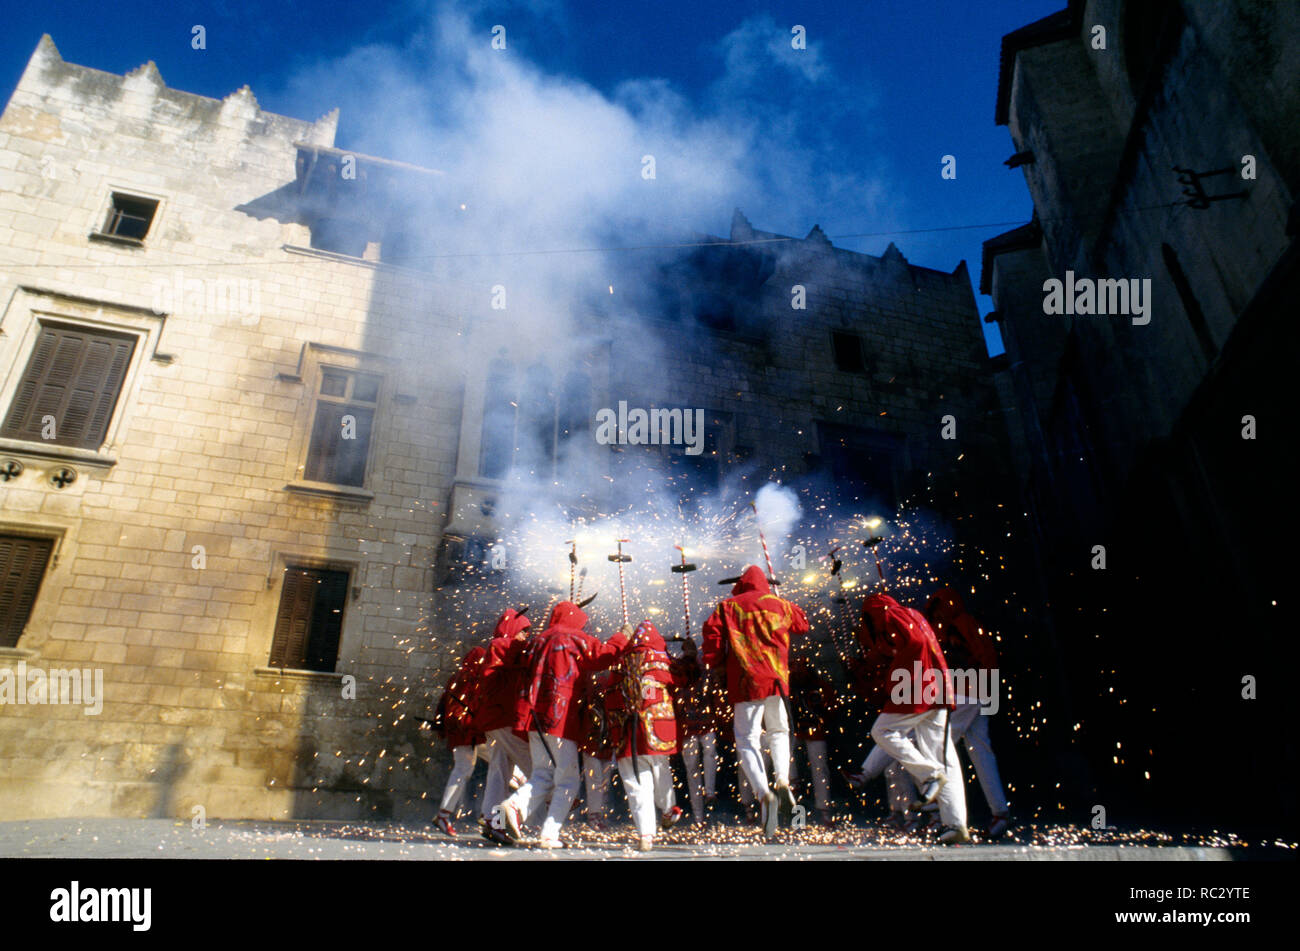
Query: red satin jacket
x=643 y=680
x=553 y=661
x=750 y=633
x=456 y=706
x=501 y=675
x=918 y=674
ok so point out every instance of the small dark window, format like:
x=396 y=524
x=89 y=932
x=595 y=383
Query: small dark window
x=70 y=387
x=848 y=351
x=310 y=619
x=130 y=217
x=340 y=434
x=22 y=567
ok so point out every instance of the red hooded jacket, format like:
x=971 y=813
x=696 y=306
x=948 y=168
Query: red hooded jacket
x=750 y=632
x=554 y=660
x=459 y=698
x=644 y=677
x=917 y=669
x=965 y=644
x=499 y=682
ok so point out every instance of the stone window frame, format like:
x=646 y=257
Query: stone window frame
x=29 y=310
x=350 y=635
x=44 y=610
x=108 y=188
x=314 y=359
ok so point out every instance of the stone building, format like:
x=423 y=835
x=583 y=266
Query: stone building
x=1161 y=144
x=249 y=435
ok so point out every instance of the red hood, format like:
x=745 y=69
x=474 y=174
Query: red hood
x=944 y=607
x=476 y=655
x=511 y=623
x=885 y=614
x=567 y=614
x=647 y=636
x=752 y=579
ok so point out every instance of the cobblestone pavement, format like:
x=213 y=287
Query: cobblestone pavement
x=167 y=838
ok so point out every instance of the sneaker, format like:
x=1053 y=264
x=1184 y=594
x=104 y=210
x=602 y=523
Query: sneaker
x=546 y=843
x=771 y=815
x=955 y=835
x=785 y=802
x=671 y=817
x=646 y=844
x=443 y=821
x=998 y=827
x=514 y=822
x=930 y=791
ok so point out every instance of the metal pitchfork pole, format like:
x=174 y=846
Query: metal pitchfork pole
x=621 y=559
x=683 y=569
x=870 y=543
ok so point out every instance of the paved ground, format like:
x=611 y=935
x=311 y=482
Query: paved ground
x=164 y=838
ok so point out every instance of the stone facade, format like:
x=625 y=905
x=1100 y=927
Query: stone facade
x=172 y=545
x=1141 y=437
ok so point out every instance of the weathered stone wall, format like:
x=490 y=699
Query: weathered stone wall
x=200 y=454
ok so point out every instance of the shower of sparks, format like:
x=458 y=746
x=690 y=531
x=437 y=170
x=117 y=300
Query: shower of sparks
x=918 y=552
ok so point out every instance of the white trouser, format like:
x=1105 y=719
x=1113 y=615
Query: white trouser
x=969 y=725
x=595 y=776
x=902 y=791
x=550 y=786
x=751 y=718
x=816 y=750
x=745 y=790
x=462 y=767
x=506 y=754
x=927 y=758
x=647 y=789
x=700 y=755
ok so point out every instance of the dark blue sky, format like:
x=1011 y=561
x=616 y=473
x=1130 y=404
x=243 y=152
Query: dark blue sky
x=895 y=87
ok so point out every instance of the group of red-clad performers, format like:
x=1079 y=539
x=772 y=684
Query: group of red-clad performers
x=556 y=710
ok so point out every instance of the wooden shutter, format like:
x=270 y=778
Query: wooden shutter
x=22 y=568
x=309 y=623
x=289 y=645
x=76 y=376
x=326 y=620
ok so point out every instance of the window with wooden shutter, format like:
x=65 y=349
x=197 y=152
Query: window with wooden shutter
x=340 y=437
x=22 y=568
x=71 y=386
x=310 y=620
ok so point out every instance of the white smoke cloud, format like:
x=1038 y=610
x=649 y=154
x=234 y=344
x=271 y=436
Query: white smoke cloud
x=548 y=163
